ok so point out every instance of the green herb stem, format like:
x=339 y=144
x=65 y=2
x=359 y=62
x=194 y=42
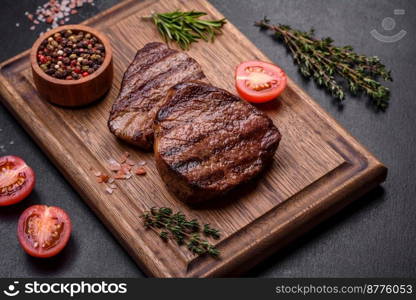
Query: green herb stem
x=176 y=227
x=326 y=63
x=186 y=27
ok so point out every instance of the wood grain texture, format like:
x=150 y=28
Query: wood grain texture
x=318 y=169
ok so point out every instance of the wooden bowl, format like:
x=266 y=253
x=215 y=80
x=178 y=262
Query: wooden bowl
x=76 y=92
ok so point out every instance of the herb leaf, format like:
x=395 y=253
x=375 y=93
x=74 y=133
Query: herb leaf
x=326 y=64
x=185 y=27
x=209 y=231
x=177 y=227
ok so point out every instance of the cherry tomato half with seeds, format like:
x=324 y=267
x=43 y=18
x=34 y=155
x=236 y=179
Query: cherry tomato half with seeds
x=43 y=231
x=17 y=180
x=258 y=81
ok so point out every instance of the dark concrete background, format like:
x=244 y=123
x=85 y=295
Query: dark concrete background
x=373 y=237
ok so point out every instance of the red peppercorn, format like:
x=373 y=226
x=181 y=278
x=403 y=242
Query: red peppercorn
x=42 y=59
x=70 y=54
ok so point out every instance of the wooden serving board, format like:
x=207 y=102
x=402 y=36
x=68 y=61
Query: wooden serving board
x=318 y=169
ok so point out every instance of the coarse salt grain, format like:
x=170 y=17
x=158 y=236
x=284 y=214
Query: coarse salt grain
x=140 y=171
x=102 y=178
x=114 y=165
x=55 y=12
x=124 y=157
x=141 y=163
x=130 y=162
x=125 y=167
x=124 y=170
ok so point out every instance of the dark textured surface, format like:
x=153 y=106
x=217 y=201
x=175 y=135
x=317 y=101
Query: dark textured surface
x=373 y=237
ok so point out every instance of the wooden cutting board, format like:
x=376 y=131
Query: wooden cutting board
x=318 y=169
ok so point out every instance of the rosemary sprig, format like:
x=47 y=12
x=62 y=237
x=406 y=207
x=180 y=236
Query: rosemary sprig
x=175 y=226
x=186 y=27
x=327 y=63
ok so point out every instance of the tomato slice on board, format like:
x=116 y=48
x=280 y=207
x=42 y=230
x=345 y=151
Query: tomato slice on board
x=17 y=180
x=258 y=81
x=43 y=231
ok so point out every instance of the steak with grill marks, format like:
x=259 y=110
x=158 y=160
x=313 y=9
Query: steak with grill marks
x=154 y=70
x=208 y=141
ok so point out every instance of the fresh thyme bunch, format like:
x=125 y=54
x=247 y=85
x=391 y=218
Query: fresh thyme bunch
x=319 y=59
x=186 y=27
x=175 y=226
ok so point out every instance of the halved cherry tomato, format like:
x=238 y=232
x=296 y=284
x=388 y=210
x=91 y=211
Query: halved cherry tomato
x=258 y=81
x=43 y=231
x=17 y=180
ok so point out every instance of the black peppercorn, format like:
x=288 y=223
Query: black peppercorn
x=50 y=71
x=99 y=47
x=68 y=55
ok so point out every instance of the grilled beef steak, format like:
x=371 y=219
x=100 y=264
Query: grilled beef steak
x=154 y=70
x=208 y=141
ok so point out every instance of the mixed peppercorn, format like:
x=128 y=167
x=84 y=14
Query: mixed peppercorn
x=70 y=55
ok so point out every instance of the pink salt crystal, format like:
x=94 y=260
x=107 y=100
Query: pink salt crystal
x=130 y=162
x=141 y=163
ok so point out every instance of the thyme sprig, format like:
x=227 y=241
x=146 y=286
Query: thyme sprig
x=177 y=227
x=326 y=63
x=186 y=27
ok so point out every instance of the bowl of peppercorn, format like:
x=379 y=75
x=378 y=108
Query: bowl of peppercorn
x=72 y=65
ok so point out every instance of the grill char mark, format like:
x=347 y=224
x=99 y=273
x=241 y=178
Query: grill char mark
x=151 y=107
x=127 y=95
x=152 y=72
x=177 y=150
x=201 y=155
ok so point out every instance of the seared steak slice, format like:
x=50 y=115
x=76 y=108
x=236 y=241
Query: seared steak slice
x=208 y=141
x=154 y=70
